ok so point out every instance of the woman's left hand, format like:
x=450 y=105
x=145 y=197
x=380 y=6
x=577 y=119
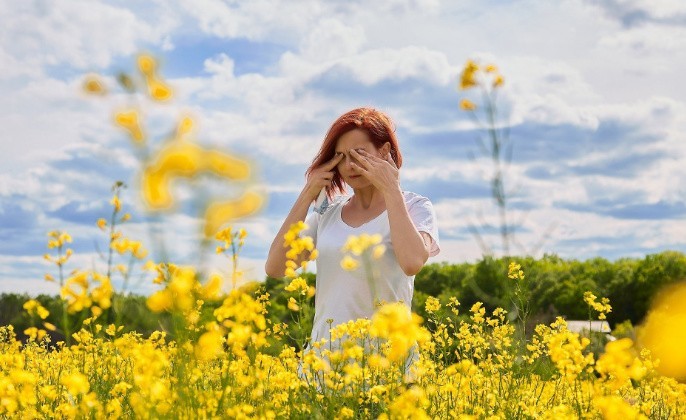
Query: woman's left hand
x=382 y=173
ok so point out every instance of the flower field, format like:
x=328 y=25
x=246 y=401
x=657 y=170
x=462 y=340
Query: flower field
x=236 y=363
x=219 y=354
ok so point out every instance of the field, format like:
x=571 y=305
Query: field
x=219 y=351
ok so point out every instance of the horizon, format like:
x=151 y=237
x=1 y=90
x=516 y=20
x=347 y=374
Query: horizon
x=593 y=100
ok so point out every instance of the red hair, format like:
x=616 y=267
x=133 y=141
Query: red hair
x=378 y=127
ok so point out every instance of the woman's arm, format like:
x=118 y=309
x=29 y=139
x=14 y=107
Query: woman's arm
x=410 y=246
x=275 y=266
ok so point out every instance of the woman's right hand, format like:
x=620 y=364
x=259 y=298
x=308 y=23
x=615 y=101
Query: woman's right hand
x=321 y=177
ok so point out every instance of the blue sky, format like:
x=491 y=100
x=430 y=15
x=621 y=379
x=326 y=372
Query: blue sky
x=594 y=101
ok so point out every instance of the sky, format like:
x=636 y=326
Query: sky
x=593 y=105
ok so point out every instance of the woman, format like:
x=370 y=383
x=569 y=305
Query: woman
x=360 y=150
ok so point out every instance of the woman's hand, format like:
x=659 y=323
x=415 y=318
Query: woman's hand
x=382 y=173
x=321 y=177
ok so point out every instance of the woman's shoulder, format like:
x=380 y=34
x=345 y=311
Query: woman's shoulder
x=412 y=198
x=329 y=206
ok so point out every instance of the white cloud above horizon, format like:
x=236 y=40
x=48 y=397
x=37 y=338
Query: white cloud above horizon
x=593 y=90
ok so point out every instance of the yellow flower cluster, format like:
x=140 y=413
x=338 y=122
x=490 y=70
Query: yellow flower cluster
x=188 y=160
x=57 y=241
x=79 y=293
x=299 y=285
x=157 y=88
x=182 y=290
x=364 y=245
x=231 y=240
x=473 y=75
x=298 y=245
x=514 y=271
x=663 y=332
x=603 y=307
x=359 y=244
x=230 y=369
x=124 y=245
x=396 y=323
x=619 y=364
x=32 y=307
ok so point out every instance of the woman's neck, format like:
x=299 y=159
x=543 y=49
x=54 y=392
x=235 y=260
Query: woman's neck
x=366 y=198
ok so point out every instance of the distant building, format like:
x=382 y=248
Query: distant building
x=582 y=327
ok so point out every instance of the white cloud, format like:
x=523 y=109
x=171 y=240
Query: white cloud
x=557 y=74
x=80 y=34
x=648 y=39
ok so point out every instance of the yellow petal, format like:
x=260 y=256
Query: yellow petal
x=158 y=90
x=219 y=213
x=147 y=65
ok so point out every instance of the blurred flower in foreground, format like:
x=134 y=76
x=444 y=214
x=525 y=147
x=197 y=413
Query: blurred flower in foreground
x=94 y=85
x=664 y=333
x=157 y=88
x=189 y=160
x=129 y=121
x=468 y=76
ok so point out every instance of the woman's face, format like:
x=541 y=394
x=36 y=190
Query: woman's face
x=358 y=140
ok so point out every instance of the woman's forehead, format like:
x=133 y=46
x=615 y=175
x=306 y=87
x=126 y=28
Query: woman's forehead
x=353 y=140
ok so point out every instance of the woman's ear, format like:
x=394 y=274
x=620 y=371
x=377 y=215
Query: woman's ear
x=385 y=149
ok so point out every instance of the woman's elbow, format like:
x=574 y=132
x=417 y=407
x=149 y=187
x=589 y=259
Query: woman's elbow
x=272 y=271
x=411 y=268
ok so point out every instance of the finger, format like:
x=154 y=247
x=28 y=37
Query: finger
x=370 y=156
x=333 y=162
x=364 y=161
x=360 y=169
x=390 y=160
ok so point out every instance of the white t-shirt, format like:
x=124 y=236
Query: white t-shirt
x=348 y=295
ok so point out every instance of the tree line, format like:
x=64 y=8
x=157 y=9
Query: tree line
x=556 y=288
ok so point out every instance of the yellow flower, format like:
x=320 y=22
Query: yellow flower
x=213 y=289
x=184 y=127
x=76 y=383
x=293 y=305
x=514 y=271
x=34 y=333
x=102 y=223
x=129 y=120
x=346 y=413
x=402 y=328
x=467 y=78
x=160 y=301
x=210 y=345
x=42 y=312
x=614 y=407
x=219 y=213
x=147 y=65
x=467 y=105
x=94 y=85
x=348 y=263
x=158 y=90
x=498 y=81
x=378 y=251
x=432 y=304
x=491 y=68
x=359 y=244
x=663 y=331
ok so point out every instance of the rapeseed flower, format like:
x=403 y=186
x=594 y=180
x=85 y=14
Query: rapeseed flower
x=663 y=331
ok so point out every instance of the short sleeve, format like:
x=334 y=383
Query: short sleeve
x=424 y=218
x=311 y=221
